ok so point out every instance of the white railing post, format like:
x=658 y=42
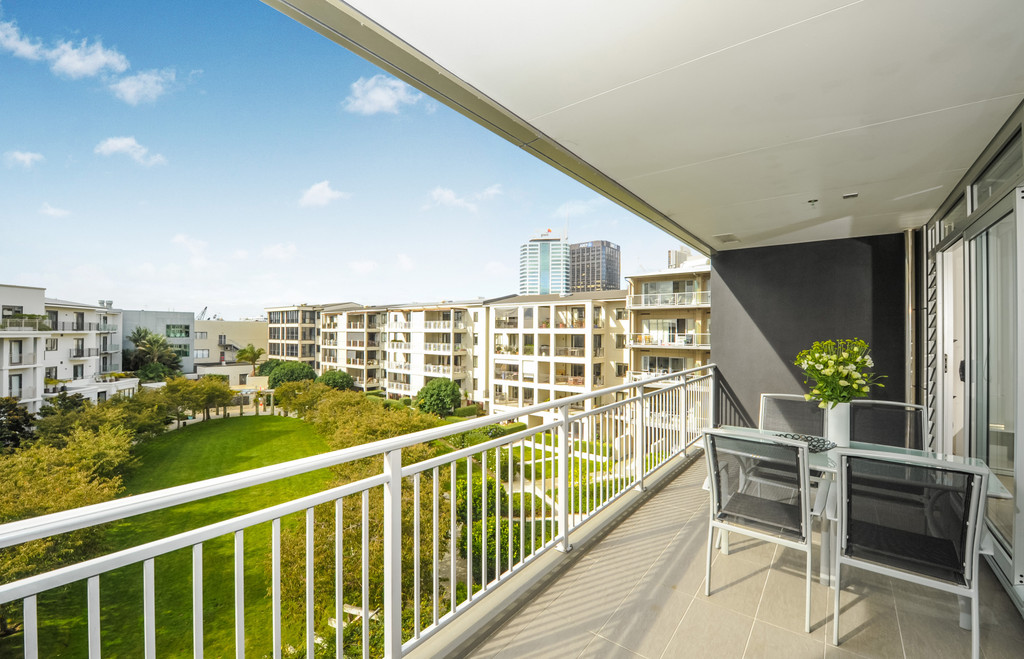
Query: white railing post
x=564 y=498
x=713 y=398
x=392 y=554
x=640 y=435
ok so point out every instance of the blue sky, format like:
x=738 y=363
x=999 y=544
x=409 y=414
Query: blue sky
x=185 y=154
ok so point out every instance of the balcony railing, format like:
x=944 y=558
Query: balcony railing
x=355 y=343
x=399 y=366
x=598 y=352
x=25 y=325
x=506 y=375
x=23 y=359
x=111 y=347
x=72 y=326
x=329 y=342
x=664 y=300
x=688 y=340
x=24 y=392
x=355 y=326
x=506 y=324
x=105 y=327
x=82 y=353
x=353 y=361
x=444 y=325
x=570 y=352
x=400 y=345
x=570 y=380
x=581 y=462
x=399 y=386
x=397 y=326
x=442 y=347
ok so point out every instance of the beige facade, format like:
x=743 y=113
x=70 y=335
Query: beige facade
x=217 y=342
x=546 y=347
x=352 y=339
x=669 y=319
x=292 y=333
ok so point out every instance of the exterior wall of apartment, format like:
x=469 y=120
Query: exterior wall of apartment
x=594 y=266
x=238 y=374
x=429 y=342
x=353 y=340
x=178 y=327
x=218 y=341
x=773 y=302
x=292 y=334
x=543 y=348
x=76 y=348
x=669 y=319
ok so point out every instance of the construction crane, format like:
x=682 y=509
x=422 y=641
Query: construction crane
x=202 y=314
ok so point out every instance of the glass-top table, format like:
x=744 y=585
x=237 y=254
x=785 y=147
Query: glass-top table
x=828 y=461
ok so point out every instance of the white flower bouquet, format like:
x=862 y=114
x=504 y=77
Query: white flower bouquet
x=841 y=371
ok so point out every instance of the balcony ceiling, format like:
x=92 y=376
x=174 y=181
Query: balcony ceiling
x=717 y=117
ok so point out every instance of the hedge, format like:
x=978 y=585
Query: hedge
x=468 y=410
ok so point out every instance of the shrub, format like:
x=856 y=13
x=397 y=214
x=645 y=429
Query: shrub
x=439 y=396
x=290 y=372
x=405 y=400
x=337 y=380
x=468 y=410
x=267 y=367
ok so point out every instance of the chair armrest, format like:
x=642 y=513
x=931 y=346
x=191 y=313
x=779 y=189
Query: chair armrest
x=832 y=504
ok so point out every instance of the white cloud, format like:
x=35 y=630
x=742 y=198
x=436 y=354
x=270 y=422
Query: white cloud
x=280 y=251
x=321 y=194
x=85 y=60
x=19 y=46
x=143 y=87
x=489 y=191
x=380 y=93
x=405 y=262
x=447 y=197
x=47 y=209
x=576 y=208
x=22 y=158
x=363 y=267
x=129 y=147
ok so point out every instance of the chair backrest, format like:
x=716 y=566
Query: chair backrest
x=791 y=413
x=759 y=483
x=888 y=423
x=916 y=514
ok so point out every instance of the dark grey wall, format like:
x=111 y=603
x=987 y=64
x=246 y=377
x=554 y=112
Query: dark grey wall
x=769 y=303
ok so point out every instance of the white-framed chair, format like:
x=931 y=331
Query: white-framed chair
x=791 y=413
x=892 y=423
x=919 y=519
x=760 y=489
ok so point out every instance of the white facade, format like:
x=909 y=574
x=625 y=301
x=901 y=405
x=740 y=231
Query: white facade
x=544 y=265
x=353 y=340
x=426 y=342
x=49 y=345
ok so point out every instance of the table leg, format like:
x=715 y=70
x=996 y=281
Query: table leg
x=825 y=571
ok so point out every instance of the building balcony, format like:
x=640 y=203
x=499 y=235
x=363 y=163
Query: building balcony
x=25 y=325
x=398 y=326
x=82 y=353
x=399 y=386
x=570 y=380
x=570 y=352
x=399 y=366
x=25 y=392
x=686 y=341
x=72 y=326
x=598 y=353
x=618 y=565
x=355 y=361
x=22 y=359
x=506 y=375
x=111 y=347
x=443 y=347
x=506 y=324
x=329 y=342
x=355 y=326
x=105 y=327
x=400 y=345
x=333 y=325
x=669 y=300
x=355 y=343
x=443 y=325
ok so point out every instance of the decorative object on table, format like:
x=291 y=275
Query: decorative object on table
x=814 y=444
x=841 y=371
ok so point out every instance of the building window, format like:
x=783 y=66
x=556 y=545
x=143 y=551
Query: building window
x=275 y=332
x=620 y=313
x=180 y=349
x=202 y=353
x=620 y=341
x=51 y=345
x=620 y=370
x=243 y=378
x=177 y=331
x=291 y=333
x=476 y=339
x=50 y=373
x=78 y=371
x=101 y=396
x=200 y=335
x=51 y=317
x=275 y=349
x=476 y=361
x=291 y=316
x=291 y=350
x=275 y=317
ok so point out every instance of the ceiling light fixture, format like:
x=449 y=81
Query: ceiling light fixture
x=851 y=195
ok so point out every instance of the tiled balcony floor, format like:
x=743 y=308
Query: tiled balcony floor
x=639 y=592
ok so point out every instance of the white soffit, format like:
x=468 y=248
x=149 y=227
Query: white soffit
x=712 y=117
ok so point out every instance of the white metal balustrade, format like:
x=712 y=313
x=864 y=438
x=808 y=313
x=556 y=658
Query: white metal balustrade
x=562 y=472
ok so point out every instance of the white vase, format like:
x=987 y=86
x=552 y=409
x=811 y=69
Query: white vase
x=837 y=424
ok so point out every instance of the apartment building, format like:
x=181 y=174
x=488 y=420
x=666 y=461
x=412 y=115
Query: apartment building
x=429 y=341
x=669 y=318
x=48 y=345
x=292 y=333
x=352 y=339
x=178 y=327
x=546 y=347
x=544 y=265
x=594 y=266
x=217 y=343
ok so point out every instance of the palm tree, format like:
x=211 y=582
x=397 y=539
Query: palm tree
x=155 y=349
x=250 y=354
x=138 y=335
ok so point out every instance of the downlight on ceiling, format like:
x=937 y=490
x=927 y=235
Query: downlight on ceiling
x=851 y=195
x=726 y=238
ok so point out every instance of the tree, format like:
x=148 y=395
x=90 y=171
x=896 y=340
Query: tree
x=267 y=367
x=250 y=354
x=338 y=380
x=139 y=335
x=439 y=396
x=181 y=394
x=155 y=350
x=300 y=396
x=290 y=372
x=212 y=391
x=63 y=403
x=15 y=424
x=154 y=372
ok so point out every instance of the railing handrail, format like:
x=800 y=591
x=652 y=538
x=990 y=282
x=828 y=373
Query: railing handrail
x=14 y=533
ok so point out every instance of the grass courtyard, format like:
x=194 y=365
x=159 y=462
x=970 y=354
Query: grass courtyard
x=196 y=452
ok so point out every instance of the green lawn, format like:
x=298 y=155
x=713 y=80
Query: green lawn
x=196 y=452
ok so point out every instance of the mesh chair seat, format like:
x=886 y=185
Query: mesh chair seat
x=762 y=514
x=906 y=550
